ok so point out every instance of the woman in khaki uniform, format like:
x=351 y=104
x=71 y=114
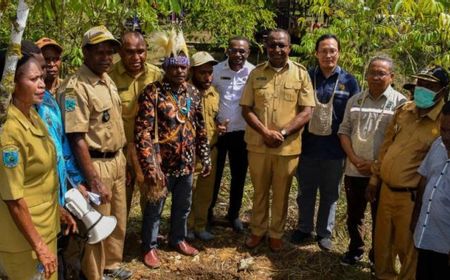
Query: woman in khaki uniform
x=28 y=181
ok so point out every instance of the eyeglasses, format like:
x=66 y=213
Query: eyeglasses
x=236 y=50
x=275 y=45
x=378 y=74
x=331 y=52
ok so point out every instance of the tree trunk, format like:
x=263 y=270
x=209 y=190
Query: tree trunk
x=12 y=56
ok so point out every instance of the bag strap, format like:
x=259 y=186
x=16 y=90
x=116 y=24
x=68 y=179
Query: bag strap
x=156 y=140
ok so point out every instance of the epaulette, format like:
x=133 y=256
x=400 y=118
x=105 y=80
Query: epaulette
x=261 y=64
x=299 y=65
x=406 y=106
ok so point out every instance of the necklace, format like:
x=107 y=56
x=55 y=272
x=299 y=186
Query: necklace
x=183 y=107
x=377 y=122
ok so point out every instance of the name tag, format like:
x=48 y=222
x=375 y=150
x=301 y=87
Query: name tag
x=225 y=78
x=261 y=78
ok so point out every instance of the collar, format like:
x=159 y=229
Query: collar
x=433 y=114
x=226 y=66
x=14 y=112
x=337 y=70
x=93 y=78
x=288 y=65
x=386 y=93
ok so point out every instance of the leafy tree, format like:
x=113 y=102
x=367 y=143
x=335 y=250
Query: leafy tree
x=415 y=33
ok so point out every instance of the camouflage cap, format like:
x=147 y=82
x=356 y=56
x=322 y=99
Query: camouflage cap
x=44 y=42
x=435 y=74
x=97 y=35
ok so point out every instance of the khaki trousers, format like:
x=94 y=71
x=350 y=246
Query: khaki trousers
x=202 y=194
x=131 y=184
x=270 y=173
x=108 y=253
x=24 y=265
x=393 y=236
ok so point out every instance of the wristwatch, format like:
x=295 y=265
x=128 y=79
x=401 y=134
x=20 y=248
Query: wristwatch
x=284 y=133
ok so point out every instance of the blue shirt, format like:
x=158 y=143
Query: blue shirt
x=67 y=169
x=329 y=147
x=433 y=226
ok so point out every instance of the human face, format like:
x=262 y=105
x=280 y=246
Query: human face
x=133 y=53
x=328 y=54
x=379 y=76
x=445 y=131
x=434 y=86
x=237 y=53
x=278 y=49
x=99 y=57
x=30 y=86
x=202 y=76
x=176 y=74
x=53 y=62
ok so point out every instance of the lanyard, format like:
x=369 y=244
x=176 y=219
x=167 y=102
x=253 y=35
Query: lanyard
x=377 y=122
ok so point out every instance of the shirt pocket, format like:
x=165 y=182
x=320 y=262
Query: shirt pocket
x=262 y=95
x=291 y=91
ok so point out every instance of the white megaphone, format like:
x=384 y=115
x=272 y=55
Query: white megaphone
x=99 y=227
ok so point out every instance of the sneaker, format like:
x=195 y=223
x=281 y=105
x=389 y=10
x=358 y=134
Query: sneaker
x=351 y=258
x=324 y=243
x=299 y=237
x=204 y=235
x=190 y=235
x=119 y=273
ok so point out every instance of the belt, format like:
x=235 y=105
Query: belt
x=98 y=154
x=401 y=189
x=412 y=191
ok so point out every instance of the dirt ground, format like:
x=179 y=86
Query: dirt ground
x=227 y=258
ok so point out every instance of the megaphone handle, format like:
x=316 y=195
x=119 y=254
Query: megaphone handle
x=94 y=224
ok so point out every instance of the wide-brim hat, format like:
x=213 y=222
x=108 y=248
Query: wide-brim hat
x=200 y=58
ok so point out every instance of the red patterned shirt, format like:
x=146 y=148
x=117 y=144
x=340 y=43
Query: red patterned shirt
x=181 y=129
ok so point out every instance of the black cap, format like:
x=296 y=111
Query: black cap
x=435 y=74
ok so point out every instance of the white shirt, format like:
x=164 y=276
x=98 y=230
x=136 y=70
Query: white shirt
x=230 y=85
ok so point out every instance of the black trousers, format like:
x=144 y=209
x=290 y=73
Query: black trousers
x=432 y=265
x=355 y=189
x=233 y=144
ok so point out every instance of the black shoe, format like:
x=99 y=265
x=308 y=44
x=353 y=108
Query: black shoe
x=299 y=237
x=119 y=273
x=237 y=225
x=351 y=258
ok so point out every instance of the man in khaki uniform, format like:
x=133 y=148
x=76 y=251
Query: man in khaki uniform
x=407 y=140
x=92 y=112
x=131 y=74
x=202 y=75
x=276 y=104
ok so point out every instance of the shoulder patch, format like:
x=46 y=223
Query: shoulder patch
x=10 y=156
x=70 y=103
x=261 y=64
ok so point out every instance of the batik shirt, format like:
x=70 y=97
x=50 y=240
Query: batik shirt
x=68 y=171
x=181 y=129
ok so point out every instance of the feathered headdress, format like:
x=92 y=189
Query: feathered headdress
x=171 y=46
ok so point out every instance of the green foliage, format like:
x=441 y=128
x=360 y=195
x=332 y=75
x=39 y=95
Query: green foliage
x=415 y=33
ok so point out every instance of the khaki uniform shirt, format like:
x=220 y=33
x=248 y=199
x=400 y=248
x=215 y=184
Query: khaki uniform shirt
x=91 y=105
x=129 y=89
x=275 y=98
x=407 y=140
x=27 y=171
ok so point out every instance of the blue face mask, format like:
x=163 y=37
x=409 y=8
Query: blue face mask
x=424 y=98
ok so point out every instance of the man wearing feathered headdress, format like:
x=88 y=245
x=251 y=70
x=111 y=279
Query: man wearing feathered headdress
x=169 y=133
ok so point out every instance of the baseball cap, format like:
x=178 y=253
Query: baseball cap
x=44 y=41
x=435 y=74
x=200 y=58
x=97 y=35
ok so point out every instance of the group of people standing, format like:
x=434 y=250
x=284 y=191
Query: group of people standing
x=108 y=128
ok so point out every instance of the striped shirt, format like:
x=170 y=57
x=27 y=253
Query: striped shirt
x=372 y=116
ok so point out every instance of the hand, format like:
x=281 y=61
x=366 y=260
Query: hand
x=222 y=127
x=83 y=190
x=47 y=259
x=372 y=193
x=68 y=220
x=273 y=138
x=364 y=167
x=104 y=192
x=206 y=170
